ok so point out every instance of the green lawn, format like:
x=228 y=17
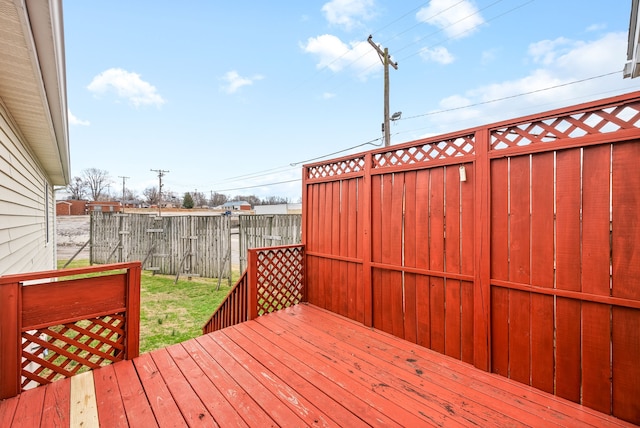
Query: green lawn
x=172 y=313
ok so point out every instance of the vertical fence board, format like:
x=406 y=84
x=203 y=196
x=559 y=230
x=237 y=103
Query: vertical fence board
x=453 y=346
x=396 y=278
x=423 y=299
x=626 y=281
x=596 y=318
x=344 y=283
x=436 y=262
x=467 y=251
x=568 y=361
x=409 y=256
x=354 y=251
x=519 y=269
x=386 y=280
x=376 y=248
x=542 y=239
x=499 y=266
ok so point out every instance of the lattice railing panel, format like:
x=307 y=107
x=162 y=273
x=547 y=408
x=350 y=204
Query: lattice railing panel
x=455 y=147
x=55 y=352
x=279 y=278
x=333 y=169
x=603 y=121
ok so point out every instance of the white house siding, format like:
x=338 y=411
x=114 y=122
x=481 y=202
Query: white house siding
x=27 y=226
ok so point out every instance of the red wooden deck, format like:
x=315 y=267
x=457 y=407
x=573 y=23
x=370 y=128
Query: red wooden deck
x=303 y=366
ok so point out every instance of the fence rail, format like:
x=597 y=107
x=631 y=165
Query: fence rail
x=54 y=324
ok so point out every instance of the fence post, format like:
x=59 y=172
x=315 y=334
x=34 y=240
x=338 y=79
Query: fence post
x=482 y=251
x=366 y=237
x=10 y=339
x=252 y=282
x=304 y=274
x=132 y=321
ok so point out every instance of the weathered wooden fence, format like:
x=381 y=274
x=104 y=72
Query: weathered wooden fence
x=512 y=246
x=171 y=245
x=267 y=230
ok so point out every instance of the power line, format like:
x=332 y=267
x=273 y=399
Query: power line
x=457 y=35
x=511 y=96
x=259 y=185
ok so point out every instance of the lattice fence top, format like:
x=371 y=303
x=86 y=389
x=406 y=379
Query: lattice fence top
x=601 y=121
x=427 y=152
x=336 y=168
x=56 y=352
x=279 y=278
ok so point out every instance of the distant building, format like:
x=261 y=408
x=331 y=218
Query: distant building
x=71 y=207
x=278 y=209
x=104 y=206
x=235 y=206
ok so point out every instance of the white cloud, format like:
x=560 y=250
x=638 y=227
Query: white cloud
x=488 y=56
x=233 y=81
x=559 y=63
x=547 y=51
x=438 y=54
x=126 y=85
x=336 y=55
x=348 y=13
x=75 y=121
x=456 y=18
x=328 y=95
x=597 y=27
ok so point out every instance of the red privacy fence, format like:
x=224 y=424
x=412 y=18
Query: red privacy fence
x=512 y=246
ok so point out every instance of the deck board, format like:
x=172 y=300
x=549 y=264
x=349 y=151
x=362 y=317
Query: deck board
x=302 y=366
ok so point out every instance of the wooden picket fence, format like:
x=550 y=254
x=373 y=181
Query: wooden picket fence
x=267 y=230
x=170 y=245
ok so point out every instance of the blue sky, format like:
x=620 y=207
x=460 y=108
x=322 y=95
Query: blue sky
x=226 y=96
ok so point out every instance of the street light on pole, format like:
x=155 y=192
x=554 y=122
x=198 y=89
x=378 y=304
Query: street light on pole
x=386 y=62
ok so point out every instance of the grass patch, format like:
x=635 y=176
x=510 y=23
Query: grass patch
x=173 y=313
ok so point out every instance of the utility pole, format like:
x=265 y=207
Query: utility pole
x=384 y=57
x=123 y=189
x=161 y=173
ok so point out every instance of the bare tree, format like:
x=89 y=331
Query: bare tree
x=77 y=188
x=199 y=199
x=96 y=181
x=151 y=195
x=253 y=200
x=130 y=195
x=218 y=199
x=274 y=200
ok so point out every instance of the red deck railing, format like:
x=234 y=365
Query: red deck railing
x=52 y=328
x=273 y=280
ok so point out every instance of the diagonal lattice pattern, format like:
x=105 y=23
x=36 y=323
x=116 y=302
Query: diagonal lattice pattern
x=337 y=168
x=456 y=147
x=55 y=352
x=576 y=125
x=279 y=278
